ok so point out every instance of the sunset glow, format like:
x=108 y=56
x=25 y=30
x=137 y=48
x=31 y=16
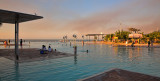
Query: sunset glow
x=68 y=17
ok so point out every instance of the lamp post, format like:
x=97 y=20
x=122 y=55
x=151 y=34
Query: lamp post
x=83 y=39
x=63 y=38
x=74 y=36
x=66 y=38
x=102 y=36
x=75 y=47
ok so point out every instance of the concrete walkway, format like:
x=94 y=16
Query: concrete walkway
x=120 y=75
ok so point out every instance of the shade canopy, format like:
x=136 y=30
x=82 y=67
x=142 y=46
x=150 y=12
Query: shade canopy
x=16 y=18
x=95 y=34
x=12 y=17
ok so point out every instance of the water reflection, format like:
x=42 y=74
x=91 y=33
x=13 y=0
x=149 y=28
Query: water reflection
x=5 y=46
x=21 y=46
x=17 y=71
x=127 y=53
x=99 y=58
x=151 y=52
x=134 y=54
x=75 y=57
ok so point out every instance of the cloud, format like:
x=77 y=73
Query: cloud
x=127 y=14
x=60 y=20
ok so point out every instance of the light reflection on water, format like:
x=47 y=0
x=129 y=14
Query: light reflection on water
x=99 y=58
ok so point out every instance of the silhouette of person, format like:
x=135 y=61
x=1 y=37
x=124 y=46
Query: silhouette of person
x=149 y=43
x=21 y=42
x=9 y=41
x=49 y=49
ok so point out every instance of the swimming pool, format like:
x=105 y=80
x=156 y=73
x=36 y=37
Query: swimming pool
x=99 y=59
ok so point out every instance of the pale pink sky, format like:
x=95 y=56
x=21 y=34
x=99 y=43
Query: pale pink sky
x=68 y=17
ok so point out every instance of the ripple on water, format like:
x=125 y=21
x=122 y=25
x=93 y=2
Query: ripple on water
x=99 y=58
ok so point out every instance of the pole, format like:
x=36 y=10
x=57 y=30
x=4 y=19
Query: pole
x=16 y=38
x=102 y=37
x=98 y=37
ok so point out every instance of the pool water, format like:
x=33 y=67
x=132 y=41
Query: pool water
x=100 y=58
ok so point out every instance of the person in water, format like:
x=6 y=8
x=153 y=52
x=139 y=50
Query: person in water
x=5 y=42
x=44 y=47
x=43 y=50
x=49 y=49
x=9 y=41
x=21 y=42
x=133 y=44
x=149 y=43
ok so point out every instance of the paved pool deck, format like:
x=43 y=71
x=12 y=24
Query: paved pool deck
x=120 y=75
x=31 y=54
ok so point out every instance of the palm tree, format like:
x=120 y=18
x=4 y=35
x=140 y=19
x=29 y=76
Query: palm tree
x=122 y=34
x=134 y=30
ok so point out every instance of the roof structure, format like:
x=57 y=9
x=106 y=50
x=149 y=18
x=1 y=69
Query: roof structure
x=95 y=34
x=11 y=17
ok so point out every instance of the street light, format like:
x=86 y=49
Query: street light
x=102 y=35
x=74 y=36
x=65 y=38
x=83 y=40
x=83 y=36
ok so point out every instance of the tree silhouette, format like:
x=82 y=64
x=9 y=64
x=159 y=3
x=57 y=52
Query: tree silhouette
x=122 y=34
x=134 y=30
